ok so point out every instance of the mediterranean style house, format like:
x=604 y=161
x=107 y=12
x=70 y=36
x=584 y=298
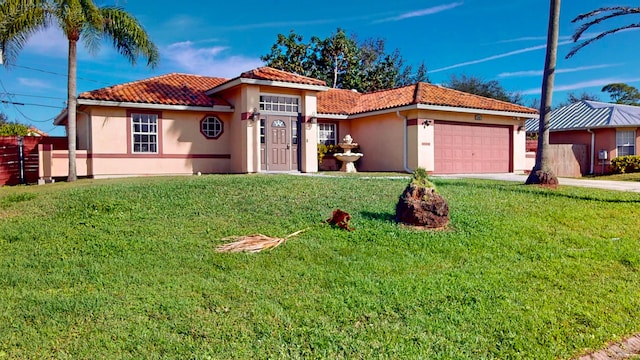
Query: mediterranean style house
x=267 y=120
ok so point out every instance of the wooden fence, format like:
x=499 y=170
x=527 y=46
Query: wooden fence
x=13 y=169
x=567 y=160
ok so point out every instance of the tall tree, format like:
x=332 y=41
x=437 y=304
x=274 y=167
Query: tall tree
x=342 y=61
x=622 y=93
x=598 y=16
x=476 y=85
x=78 y=20
x=573 y=98
x=542 y=173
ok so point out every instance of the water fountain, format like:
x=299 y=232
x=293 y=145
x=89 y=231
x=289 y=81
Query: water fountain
x=347 y=157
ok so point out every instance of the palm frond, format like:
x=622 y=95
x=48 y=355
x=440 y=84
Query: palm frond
x=19 y=20
x=620 y=11
x=128 y=36
x=600 y=36
x=253 y=243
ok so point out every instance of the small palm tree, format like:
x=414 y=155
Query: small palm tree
x=598 y=16
x=78 y=20
x=541 y=172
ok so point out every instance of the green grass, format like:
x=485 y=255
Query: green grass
x=618 y=177
x=127 y=269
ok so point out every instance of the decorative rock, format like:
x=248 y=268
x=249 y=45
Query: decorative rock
x=422 y=207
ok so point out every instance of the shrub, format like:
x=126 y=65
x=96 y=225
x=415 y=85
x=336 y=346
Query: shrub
x=421 y=179
x=626 y=164
x=324 y=150
x=13 y=129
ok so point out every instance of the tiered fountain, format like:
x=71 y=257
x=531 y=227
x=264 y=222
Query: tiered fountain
x=347 y=157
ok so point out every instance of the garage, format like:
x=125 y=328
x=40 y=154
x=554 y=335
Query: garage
x=471 y=148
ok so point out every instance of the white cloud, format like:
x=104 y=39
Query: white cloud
x=495 y=57
x=531 y=73
x=49 y=42
x=581 y=85
x=209 y=60
x=289 y=24
x=32 y=84
x=530 y=38
x=422 y=12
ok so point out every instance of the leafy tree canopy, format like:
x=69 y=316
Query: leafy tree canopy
x=343 y=61
x=13 y=129
x=476 y=85
x=622 y=93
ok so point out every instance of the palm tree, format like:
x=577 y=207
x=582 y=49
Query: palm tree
x=78 y=20
x=598 y=16
x=541 y=172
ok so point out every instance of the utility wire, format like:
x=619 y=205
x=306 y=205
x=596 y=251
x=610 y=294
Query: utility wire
x=30 y=104
x=58 y=74
x=16 y=104
x=33 y=96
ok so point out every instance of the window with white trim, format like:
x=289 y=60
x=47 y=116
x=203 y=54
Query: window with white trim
x=626 y=142
x=144 y=133
x=211 y=127
x=326 y=133
x=286 y=104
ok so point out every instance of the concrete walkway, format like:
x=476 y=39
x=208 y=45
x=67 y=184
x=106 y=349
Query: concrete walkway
x=599 y=184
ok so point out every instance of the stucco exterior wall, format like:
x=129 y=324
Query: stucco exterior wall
x=309 y=134
x=381 y=140
x=183 y=149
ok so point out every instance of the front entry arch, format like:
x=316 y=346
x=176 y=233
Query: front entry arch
x=279 y=143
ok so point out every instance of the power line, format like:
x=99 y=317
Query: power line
x=33 y=96
x=30 y=104
x=16 y=104
x=58 y=74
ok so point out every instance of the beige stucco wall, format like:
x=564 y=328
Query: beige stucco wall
x=380 y=139
x=309 y=133
x=183 y=149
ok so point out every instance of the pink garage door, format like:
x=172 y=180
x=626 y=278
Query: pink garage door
x=464 y=148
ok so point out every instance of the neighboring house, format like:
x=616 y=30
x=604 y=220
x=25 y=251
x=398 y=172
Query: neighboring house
x=271 y=120
x=607 y=130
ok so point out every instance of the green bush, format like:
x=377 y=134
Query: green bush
x=325 y=150
x=626 y=164
x=421 y=179
x=13 y=129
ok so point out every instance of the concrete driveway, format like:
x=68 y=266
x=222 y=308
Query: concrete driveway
x=599 y=184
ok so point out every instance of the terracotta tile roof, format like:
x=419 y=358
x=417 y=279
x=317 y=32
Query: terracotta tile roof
x=438 y=95
x=337 y=101
x=271 y=74
x=170 y=89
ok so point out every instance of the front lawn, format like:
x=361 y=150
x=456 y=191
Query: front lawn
x=127 y=268
x=618 y=177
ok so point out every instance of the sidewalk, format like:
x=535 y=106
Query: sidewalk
x=599 y=184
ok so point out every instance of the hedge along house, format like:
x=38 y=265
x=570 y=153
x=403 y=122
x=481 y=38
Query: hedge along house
x=267 y=120
x=607 y=130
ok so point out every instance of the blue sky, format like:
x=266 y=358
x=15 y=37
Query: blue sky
x=495 y=40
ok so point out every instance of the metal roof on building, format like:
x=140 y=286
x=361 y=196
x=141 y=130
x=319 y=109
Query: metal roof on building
x=587 y=114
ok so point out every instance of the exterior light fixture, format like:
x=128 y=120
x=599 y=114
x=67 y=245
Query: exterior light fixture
x=478 y=117
x=314 y=118
x=255 y=115
x=426 y=122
